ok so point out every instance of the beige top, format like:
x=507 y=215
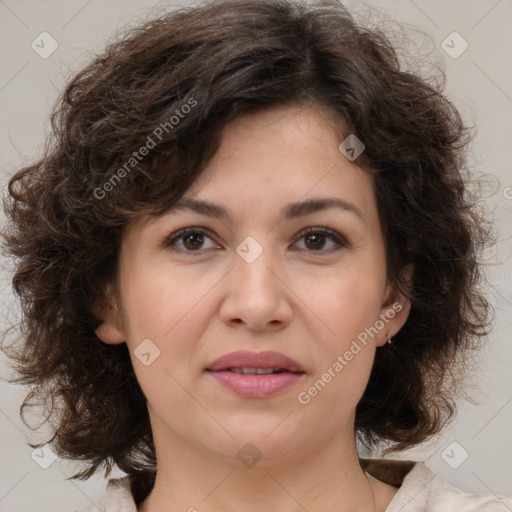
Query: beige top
x=420 y=491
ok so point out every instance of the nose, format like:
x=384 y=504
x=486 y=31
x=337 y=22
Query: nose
x=257 y=295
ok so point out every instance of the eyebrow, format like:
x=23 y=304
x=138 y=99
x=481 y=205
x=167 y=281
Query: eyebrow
x=289 y=211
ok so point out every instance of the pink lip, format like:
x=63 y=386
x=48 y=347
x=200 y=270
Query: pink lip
x=256 y=386
x=250 y=359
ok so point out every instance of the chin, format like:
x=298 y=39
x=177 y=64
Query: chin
x=271 y=440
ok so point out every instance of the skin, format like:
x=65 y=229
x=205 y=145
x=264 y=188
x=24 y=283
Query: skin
x=304 y=297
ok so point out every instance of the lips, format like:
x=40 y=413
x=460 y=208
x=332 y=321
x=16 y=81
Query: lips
x=256 y=374
x=248 y=362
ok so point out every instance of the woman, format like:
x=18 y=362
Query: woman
x=249 y=245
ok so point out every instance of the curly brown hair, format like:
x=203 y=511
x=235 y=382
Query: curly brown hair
x=223 y=60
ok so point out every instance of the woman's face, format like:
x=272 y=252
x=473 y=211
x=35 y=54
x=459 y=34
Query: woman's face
x=253 y=280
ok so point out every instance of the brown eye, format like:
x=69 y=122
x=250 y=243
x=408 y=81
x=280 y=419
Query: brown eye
x=193 y=241
x=316 y=239
x=189 y=240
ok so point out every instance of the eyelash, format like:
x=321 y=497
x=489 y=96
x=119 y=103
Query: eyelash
x=339 y=240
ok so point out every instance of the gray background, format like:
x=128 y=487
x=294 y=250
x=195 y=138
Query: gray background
x=479 y=81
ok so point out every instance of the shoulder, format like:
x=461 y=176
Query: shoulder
x=420 y=491
x=118 y=498
x=423 y=491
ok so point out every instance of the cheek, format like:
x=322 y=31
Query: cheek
x=172 y=310
x=348 y=302
x=165 y=309
x=161 y=301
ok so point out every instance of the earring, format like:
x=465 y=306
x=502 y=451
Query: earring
x=115 y=307
x=389 y=338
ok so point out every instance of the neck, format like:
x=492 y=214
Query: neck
x=191 y=478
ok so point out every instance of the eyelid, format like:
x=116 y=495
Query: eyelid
x=336 y=237
x=169 y=240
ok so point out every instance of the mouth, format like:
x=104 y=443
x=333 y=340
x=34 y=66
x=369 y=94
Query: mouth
x=260 y=363
x=256 y=374
x=258 y=371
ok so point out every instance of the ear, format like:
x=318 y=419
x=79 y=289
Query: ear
x=110 y=330
x=395 y=309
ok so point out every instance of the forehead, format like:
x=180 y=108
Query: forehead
x=275 y=164
x=281 y=156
